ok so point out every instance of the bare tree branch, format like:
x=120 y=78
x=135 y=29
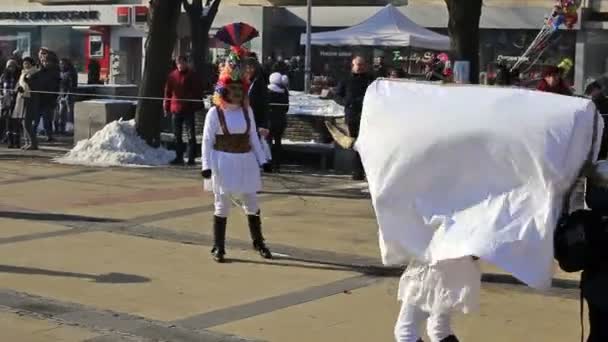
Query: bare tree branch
x=213 y=10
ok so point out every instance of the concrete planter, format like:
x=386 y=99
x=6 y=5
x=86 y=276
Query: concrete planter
x=91 y=116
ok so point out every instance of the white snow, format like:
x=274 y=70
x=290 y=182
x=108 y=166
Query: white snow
x=108 y=101
x=310 y=143
x=305 y=104
x=117 y=144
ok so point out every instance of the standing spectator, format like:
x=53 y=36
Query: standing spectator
x=506 y=77
x=257 y=94
x=552 y=82
x=25 y=108
x=350 y=94
x=380 y=69
x=268 y=66
x=595 y=92
x=8 y=85
x=395 y=73
x=66 y=88
x=281 y=67
x=47 y=79
x=94 y=75
x=2 y=62
x=183 y=83
x=278 y=98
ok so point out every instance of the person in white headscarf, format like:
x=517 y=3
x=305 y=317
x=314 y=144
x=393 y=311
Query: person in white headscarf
x=278 y=99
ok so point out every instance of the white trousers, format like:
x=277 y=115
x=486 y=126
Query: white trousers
x=223 y=203
x=411 y=318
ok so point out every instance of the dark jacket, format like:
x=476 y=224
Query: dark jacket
x=47 y=79
x=380 y=71
x=277 y=114
x=594 y=279
x=66 y=85
x=601 y=103
x=258 y=100
x=183 y=85
x=350 y=94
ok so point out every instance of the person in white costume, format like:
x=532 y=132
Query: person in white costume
x=231 y=157
x=480 y=172
x=434 y=293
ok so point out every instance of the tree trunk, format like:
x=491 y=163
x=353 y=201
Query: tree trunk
x=463 y=27
x=200 y=25
x=164 y=15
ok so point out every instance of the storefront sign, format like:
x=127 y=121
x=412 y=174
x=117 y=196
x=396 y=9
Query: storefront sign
x=336 y=53
x=56 y=15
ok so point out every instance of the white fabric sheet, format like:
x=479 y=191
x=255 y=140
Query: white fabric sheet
x=388 y=27
x=464 y=170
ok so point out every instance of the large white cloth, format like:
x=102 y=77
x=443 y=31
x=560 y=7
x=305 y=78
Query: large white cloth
x=455 y=171
x=232 y=173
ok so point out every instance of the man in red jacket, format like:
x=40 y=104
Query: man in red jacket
x=553 y=82
x=183 y=84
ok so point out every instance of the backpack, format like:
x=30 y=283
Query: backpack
x=570 y=241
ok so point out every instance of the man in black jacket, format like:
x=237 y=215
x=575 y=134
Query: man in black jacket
x=595 y=92
x=350 y=94
x=47 y=79
x=258 y=94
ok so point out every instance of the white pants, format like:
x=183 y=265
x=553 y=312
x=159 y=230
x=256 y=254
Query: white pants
x=411 y=317
x=223 y=203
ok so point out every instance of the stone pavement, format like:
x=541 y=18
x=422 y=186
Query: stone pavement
x=106 y=254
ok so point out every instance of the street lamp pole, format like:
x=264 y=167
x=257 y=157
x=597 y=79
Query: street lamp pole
x=307 y=58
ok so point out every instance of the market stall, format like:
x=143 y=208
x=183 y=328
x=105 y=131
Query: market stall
x=389 y=29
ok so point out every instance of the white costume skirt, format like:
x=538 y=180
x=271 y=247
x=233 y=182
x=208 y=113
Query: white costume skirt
x=234 y=173
x=450 y=285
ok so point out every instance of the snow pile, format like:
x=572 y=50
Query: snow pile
x=310 y=143
x=305 y=104
x=117 y=144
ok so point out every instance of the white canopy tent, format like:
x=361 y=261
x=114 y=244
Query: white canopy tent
x=388 y=27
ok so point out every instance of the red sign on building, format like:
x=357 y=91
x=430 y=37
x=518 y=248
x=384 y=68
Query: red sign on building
x=123 y=15
x=141 y=14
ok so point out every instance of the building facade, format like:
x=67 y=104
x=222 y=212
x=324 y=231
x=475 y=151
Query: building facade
x=114 y=30
x=110 y=32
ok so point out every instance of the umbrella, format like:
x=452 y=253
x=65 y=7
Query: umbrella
x=237 y=34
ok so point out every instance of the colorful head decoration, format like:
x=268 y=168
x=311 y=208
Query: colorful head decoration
x=231 y=78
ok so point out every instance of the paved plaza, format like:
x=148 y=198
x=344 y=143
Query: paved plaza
x=107 y=254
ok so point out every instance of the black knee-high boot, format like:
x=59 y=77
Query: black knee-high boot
x=255 y=228
x=219 y=238
x=450 y=338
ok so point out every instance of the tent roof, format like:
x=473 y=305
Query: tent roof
x=388 y=27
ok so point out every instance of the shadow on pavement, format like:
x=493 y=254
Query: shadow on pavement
x=108 y=278
x=323 y=266
x=17 y=215
x=383 y=271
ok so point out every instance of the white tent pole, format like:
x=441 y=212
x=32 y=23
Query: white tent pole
x=307 y=58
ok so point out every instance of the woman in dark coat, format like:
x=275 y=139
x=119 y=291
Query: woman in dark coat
x=258 y=94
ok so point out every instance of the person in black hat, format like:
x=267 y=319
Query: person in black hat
x=596 y=93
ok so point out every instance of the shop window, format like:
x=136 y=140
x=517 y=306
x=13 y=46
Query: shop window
x=96 y=46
